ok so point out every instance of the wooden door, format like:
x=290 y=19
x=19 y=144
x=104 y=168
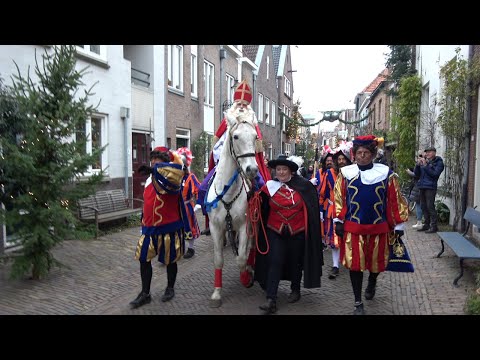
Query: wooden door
x=141 y=147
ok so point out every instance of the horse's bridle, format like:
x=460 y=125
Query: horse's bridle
x=228 y=204
x=232 y=150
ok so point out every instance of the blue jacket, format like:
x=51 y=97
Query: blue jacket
x=428 y=174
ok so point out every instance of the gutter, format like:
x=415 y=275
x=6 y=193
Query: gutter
x=468 y=120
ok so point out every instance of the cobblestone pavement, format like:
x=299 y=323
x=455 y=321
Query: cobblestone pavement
x=102 y=277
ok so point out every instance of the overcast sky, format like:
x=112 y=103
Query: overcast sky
x=328 y=77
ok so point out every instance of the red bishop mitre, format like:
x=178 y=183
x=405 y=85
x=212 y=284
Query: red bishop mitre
x=243 y=93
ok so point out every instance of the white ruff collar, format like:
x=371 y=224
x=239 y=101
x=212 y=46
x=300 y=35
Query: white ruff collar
x=378 y=173
x=274 y=185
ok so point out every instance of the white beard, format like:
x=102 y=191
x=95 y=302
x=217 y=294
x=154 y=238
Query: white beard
x=239 y=113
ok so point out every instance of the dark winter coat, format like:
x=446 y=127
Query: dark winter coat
x=429 y=174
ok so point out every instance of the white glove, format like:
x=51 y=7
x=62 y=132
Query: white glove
x=314 y=181
x=197 y=207
x=321 y=216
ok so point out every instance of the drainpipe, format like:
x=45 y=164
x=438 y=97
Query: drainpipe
x=468 y=113
x=223 y=56
x=125 y=114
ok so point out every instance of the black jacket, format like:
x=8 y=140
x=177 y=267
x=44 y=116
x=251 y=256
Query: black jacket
x=313 y=257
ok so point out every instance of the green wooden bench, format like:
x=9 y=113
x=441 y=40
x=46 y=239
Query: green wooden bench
x=460 y=245
x=106 y=206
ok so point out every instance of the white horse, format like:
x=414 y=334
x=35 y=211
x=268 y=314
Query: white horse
x=237 y=167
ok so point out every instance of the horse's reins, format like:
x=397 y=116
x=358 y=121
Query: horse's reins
x=254 y=216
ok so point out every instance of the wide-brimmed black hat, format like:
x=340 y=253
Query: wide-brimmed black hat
x=282 y=160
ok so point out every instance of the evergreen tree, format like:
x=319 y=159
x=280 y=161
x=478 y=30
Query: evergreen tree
x=44 y=156
x=401 y=63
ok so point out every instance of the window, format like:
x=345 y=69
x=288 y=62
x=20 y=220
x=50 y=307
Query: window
x=193 y=71
x=183 y=137
x=270 y=151
x=230 y=88
x=380 y=112
x=94 y=131
x=175 y=67
x=267 y=110
x=287 y=89
x=260 y=107
x=208 y=78
x=273 y=117
x=288 y=148
x=93 y=51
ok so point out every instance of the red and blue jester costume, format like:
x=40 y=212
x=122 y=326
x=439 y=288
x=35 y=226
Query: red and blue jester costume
x=369 y=215
x=164 y=220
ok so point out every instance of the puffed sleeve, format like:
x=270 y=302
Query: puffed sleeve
x=396 y=203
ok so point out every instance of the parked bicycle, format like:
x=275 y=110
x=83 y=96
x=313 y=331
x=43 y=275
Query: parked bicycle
x=406 y=191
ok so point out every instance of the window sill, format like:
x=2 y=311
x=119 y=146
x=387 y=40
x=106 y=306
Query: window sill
x=93 y=60
x=175 y=91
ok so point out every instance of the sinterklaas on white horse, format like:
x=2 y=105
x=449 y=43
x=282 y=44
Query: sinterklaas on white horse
x=226 y=200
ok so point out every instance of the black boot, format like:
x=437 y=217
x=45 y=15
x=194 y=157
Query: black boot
x=142 y=299
x=294 y=296
x=432 y=230
x=190 y=252
x=358 y=309
x=270 y=307
x=169 y=294
x=370 y=292
x=372 y=283
x=333 y=273
x=424 y=227
x=146 y=275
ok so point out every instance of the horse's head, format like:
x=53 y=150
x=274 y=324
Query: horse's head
x=243 y=135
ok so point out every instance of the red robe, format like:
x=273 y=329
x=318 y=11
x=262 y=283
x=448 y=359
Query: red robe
x=258 y=155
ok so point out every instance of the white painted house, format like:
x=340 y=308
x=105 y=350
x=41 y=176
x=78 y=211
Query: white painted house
x=125 y=103
x=429 y=60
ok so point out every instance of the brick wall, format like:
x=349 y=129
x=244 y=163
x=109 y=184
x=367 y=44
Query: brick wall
x=269 y=90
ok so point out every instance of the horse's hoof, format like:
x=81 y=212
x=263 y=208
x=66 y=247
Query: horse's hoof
x=215 y=303
x=246 y=278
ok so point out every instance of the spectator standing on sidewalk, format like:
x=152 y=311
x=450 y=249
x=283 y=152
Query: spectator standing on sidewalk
x=369 y=206
x=164 y=223
x=428 y=170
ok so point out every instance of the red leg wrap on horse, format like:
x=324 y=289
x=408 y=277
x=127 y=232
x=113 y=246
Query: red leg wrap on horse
x=218 y=278
x=245 y=278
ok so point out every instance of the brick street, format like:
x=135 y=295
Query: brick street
x=101 y=277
